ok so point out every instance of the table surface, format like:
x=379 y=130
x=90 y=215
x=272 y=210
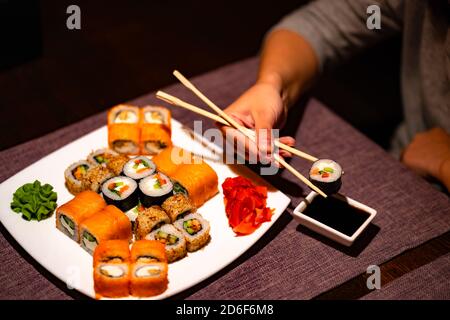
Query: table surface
x=410 y=230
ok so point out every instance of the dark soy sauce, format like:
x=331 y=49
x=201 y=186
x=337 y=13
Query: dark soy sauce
x=337 y=214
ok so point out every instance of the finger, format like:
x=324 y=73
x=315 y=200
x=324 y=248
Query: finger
x=236 y=142
x=285 y=154
x=245 y=120
x=263 y=128
x=279 y=165
x=290 y=141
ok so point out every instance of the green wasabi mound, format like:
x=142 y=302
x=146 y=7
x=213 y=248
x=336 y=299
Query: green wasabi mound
x=34 y=201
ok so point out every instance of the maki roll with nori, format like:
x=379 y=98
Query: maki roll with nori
x=195 y=230
x=139 y=168
x=121 y=192
x=326 y=175
x=155 y=189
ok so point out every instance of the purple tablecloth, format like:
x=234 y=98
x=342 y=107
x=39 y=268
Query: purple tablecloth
x=290 y=262
x=429 y=282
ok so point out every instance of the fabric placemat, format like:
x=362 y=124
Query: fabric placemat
x=289 y=262
x=429 y=282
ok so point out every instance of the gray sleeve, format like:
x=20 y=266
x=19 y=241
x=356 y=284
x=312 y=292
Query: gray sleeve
x=336 y=29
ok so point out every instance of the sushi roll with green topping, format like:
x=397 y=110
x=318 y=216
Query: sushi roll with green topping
x=121 y=192
x=172 y=238
x=155 y=189
x=195 y=230
x=139 y=168
x=326 y=175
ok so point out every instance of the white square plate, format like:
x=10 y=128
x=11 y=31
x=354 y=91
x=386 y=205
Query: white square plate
x=65 y=258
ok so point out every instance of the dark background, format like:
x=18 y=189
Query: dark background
x=51 y=76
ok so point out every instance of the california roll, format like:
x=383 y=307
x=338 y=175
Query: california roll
x=195 y=230
x=101 y=156
x=173 y=239
x=75 y=175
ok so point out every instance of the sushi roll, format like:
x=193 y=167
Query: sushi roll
x=108 y=224
x=195 y=230
x=173 y=239
x=121 y=192
x=156 y=115
x=149 y=220
x=197 y=180
x=70 y=215
x=117 y=163
x=139 y=168
x=148 y=279
x=111 y=280
x=112 y=269
x=95 y=177
x=155 y=189
x=155 y=130
x=147 y=251
x=177 y=206
x=148 y=276
x=112 y=251
x=154 y=139
x=190 y=174
x=75 y=174
x=101 y=157
x=326 y=174
x=123 y=129
x=123 y=114
x=169 y=160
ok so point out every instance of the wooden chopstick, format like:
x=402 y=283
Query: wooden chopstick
x=243 y=130
x=178 y=102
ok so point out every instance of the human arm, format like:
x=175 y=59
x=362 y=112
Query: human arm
x=308 y=41
x=428 y=155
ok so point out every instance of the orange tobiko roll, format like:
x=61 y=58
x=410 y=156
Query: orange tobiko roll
x=112 y=269
x=149 y=269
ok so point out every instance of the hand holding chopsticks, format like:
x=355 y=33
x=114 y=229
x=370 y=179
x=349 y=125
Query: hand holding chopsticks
x=224 y=118
x=178 y=102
